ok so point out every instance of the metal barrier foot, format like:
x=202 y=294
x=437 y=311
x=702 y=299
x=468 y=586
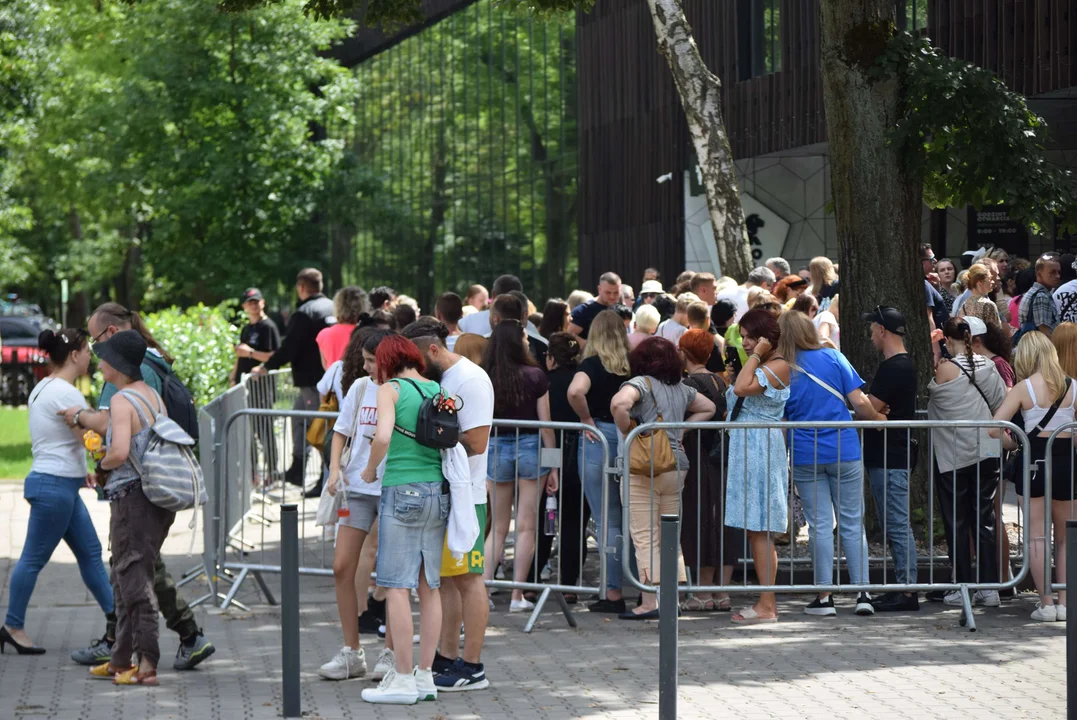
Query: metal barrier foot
x=566 y=610
x=265 y=588
x=967 y=618
x=538 y=609
x=230 y=597
x=192 y=574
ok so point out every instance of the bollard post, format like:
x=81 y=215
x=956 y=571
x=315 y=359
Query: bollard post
x=1071 y=625
x=667 y=619
x=289 y=609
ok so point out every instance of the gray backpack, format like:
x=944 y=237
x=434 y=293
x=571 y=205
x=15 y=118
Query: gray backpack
x=170 y=473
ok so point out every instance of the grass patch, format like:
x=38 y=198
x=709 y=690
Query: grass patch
x=15 y=455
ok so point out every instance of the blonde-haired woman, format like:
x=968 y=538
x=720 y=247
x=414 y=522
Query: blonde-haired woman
x=1064 y=338
x=980 y=282
x=1044 y=392
x=646 y=320
x=824 y=280
x=601 y=373
x=577 y=298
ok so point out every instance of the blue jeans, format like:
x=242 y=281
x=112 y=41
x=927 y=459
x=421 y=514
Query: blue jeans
x=890 y=489
x=411 y=533
x=593 y=475
x=56 y=513
x=822 y=489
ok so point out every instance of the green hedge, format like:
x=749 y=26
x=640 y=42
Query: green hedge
x=202 y=341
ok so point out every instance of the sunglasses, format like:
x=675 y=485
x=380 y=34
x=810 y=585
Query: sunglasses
x=98 y=337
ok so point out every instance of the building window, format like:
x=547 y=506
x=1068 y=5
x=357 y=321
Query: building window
x=759 y=42
x=912 y=15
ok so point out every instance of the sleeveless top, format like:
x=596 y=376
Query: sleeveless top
x=407 y=460
x=1035 y=414
x=125 y=478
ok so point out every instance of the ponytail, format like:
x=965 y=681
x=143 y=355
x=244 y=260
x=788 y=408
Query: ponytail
x=115 y=314
x=969 y=357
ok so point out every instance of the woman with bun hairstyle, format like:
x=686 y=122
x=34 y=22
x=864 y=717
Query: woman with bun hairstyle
x=52 y=489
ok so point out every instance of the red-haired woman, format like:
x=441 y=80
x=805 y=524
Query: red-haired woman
x=706 y=542
x=758 y=478
x=413 y=512
x=656 y=389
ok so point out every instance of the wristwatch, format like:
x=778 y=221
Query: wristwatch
x=76 y=418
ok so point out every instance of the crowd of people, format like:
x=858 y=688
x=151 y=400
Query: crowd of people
x=1004 y=336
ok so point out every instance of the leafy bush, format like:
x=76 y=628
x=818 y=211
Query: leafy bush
x=202 y=341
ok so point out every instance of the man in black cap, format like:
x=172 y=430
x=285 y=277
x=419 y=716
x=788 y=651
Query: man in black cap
x=258 y=340
x=887 y=455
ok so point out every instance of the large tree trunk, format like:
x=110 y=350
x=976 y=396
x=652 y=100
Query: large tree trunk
x=877 y=203
x=701 y=97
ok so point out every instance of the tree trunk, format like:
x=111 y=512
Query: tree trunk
x=700 y=91
x=877 y=204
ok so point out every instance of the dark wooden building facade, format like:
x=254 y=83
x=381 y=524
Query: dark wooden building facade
x=628 y=102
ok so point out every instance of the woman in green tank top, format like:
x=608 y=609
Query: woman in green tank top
x=413 y=513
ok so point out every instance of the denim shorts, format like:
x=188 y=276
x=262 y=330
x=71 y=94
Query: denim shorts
x=513 y=457
x=411 y=534
x=362 y=509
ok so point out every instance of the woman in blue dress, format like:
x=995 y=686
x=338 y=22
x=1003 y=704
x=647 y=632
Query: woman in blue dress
x=758 y=487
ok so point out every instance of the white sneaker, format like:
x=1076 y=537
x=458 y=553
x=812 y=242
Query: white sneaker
x=1045 y=613
x=953 y=598
x=424 y=684
x=1060 y=613
x=987 y=598
x=346 y=664
x=491 y=601
x=386 y=662
x=394 y=689
x=521 y=606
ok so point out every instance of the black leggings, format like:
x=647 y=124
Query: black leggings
x=967 y=500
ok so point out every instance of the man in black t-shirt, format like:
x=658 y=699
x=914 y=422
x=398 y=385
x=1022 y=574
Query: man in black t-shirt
x=887 y=453
x=258 y=340
x=609 y=294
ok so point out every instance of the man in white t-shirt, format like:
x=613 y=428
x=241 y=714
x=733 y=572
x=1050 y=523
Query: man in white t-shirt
x=463 y=591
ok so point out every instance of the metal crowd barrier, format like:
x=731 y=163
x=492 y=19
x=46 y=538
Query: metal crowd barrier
x=1049 y=471
x=960 y=519
x=238 y=502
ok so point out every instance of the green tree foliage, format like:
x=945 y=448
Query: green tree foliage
x=175 y=158
x=972 y=140
x=201 y=339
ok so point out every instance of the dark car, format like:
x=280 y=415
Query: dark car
x=22 y=364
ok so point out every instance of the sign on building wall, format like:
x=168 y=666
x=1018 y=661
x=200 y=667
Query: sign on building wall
x=766 y=231
x=993 y=226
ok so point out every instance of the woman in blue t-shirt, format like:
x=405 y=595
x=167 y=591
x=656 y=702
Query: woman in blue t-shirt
x=827 y=467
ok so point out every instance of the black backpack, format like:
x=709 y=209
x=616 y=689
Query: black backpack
x=178 y=400
x=438 y=425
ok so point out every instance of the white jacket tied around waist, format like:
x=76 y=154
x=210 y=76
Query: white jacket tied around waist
x=463 y=529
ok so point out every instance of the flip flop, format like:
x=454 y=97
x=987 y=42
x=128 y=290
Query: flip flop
x=748 y=616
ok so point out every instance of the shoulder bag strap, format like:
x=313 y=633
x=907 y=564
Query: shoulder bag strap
x=1054 y=408
x=973 y=383
x=146 y=422
x=396 y=426
x=38 y=389
x=654 y=399
x=737 y=407
x=822 y=384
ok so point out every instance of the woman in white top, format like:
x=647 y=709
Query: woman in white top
x=52 y=488
x=351 y=565
x=1041 y=385
x=826 y=322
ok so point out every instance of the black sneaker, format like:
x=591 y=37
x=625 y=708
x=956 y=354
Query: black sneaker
x=462 y=676
x=613 y=607
x=821 y=608
x=863 y=605
x=373 y=618
x=441 y=663
x=884 y=598
x=936 y=595
x=899 y=602
x=294 y=474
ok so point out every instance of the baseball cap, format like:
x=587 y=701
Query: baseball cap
x=251 y=294
x=976 y=326
x=651 y=286
x=889 y=317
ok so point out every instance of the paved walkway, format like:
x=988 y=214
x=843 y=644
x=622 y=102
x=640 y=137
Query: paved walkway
x=914 y=666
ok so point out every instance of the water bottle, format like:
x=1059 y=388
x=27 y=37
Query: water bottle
x=551 y=515
x=343 y=511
